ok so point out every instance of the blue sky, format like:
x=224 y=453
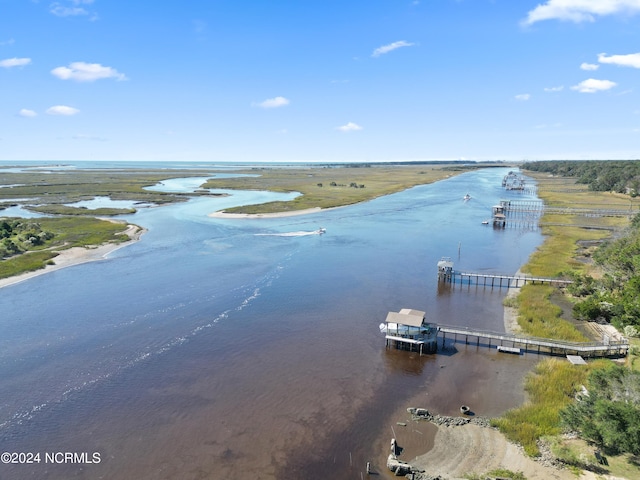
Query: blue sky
x=325 y=80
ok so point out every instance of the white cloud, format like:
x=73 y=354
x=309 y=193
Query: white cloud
x=580 y=10
x=389 y=48
x=554 y=89
x=589 y=66
x=15 y=62
x=64 y=10
x=11 y=41
x=62 y=110
x=272 y=102
x=86 y=72
x=523 y=97
x=630 y=60
x=592 y=85
x=25 y=112
x=349 y=127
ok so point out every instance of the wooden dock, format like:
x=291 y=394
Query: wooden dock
x=537 y=208
x=606 y=348
x=493 y=280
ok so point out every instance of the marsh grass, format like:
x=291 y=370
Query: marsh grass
x=538 y=316
x=68 y=232
x=67 y=210
x=558 y=252
x=74 y=185
x=498 y=473
x=83 y=231
x=330 y=187
x=553 y=383
x=27 y=262
x=550 y=387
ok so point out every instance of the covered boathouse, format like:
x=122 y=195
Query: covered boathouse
x=410 y=330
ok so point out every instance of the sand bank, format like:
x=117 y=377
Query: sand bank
x=223 y=214
x=460 y=450
x=77 y=255
x=293 y=213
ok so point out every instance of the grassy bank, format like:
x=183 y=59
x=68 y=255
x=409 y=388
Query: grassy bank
x=62 y=233
x=567 y=248
x=550 y=387
x=569 y=242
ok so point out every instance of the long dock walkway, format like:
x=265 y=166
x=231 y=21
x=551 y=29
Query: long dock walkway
x=606 y=348
x=493 y=280
x=537 y=207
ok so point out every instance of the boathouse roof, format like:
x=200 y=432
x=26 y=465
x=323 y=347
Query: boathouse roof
x=406 y=316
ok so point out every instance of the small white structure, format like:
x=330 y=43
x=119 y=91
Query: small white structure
x=409 y=328
x=445 y=268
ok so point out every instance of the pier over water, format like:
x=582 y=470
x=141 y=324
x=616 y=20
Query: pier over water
x=446 y=273
x=606 y=348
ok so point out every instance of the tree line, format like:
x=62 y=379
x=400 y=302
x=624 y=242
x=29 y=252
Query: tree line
x=18 y=235
x=621 y=176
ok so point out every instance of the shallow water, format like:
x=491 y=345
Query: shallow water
x=222 y=347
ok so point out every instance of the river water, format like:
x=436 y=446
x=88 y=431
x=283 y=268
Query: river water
x=218 y=348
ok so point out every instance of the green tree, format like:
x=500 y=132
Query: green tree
x=609 y=413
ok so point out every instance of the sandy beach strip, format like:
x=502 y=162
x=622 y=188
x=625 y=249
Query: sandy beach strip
x=292 y=213
x=78 y=255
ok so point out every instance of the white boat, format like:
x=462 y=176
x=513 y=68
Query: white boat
x=467 y=197
x=321 y=230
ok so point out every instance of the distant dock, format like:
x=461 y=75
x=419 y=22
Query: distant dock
x=446 y=273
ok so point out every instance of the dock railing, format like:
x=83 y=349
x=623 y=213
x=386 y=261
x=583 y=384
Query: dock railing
x=496 y=280
x=607 y=348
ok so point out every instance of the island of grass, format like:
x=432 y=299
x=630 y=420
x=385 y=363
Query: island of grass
x=333 y=185
x=53 y=192
x=27 y=245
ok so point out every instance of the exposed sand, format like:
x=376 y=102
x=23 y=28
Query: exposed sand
x=470 y=448
x=223 y=214
x=77 y=255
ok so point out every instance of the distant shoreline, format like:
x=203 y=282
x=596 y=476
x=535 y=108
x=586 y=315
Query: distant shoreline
x=76 y=256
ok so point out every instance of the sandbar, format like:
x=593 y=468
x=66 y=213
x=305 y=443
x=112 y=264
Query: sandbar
x=292 y=213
